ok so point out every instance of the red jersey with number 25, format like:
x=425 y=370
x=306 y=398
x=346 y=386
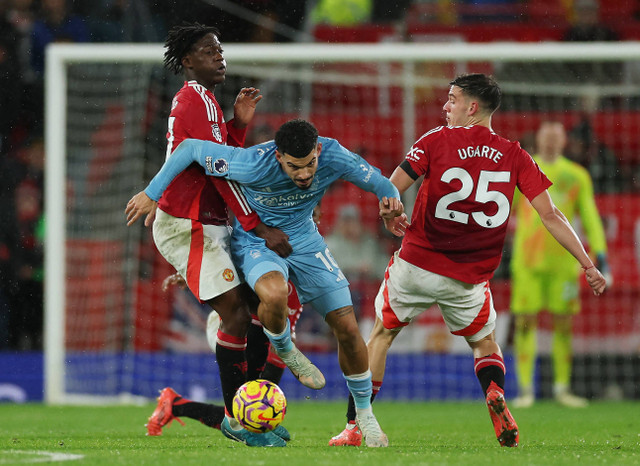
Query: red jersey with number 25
x=460 y=217
x=196 y=114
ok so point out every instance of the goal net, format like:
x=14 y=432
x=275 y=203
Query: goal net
x=111 y=332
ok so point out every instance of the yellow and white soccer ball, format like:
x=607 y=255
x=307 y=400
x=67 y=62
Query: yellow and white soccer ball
x=259 y=406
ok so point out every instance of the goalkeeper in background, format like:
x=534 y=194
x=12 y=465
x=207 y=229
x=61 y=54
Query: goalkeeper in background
x=545 y=276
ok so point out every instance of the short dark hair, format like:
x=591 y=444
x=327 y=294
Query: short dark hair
x=180 y=41
x=482 y=87
x=296 y=138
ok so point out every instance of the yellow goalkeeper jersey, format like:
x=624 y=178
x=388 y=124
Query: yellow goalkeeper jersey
x=572 y=193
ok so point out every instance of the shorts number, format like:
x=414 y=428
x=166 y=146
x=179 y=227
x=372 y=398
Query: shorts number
x=483 y=195
x=330 y=263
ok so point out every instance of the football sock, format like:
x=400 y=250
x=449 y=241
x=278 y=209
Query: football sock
x=281 y=341
x=272 y=372
x=525 y=345
x=351 y=408
x=361 y=388
x=230 y=353
x=561 y=356
x=209 y=415
x=257 y=349
x=490 y=369
x=274 y=368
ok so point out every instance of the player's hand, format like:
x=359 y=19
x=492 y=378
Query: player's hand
x=396 y=225
x=173 y=280
x=275 y=239
x=595 y=280
x=245 y=106
x=603 y=266
x=391 y=207
x=140 y=205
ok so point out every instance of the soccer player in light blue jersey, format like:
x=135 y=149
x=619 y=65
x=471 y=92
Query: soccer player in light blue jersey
x=283 y=180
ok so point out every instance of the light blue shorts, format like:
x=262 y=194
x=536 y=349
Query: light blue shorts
x=316 y=275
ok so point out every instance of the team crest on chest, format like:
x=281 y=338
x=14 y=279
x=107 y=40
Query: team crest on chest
x=215 y=131
x=228 y=275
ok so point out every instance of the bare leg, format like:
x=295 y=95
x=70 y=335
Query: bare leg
x=379 y=343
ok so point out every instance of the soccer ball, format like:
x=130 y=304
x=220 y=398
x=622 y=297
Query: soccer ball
x=259 y=406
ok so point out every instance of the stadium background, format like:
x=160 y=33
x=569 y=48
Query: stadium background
x=164 y=336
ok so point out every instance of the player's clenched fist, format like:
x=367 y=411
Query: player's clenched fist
x=595 y=280
x=140 y=205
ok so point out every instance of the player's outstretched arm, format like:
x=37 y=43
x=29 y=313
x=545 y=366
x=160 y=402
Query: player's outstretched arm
x=556 y=223
x=140 y=205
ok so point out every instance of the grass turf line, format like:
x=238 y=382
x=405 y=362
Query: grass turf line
x=419 y=433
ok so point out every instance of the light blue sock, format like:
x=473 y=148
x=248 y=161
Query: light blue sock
x=361 y=389
x=280 y=341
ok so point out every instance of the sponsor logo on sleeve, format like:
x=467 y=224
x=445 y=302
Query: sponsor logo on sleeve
x=220 y=166
x=414 y=154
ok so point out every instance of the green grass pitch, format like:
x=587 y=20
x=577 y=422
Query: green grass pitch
x=419 y=433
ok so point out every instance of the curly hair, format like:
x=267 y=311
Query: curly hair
x=180 y=41
x=296 y=138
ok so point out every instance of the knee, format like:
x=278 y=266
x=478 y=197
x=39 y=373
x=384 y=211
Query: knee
x=562 y=324
x=233 y=310
x=382 y=337
x=526 y=324
x=273 y=293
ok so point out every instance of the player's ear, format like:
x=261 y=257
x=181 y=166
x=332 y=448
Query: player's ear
x=186 y=61
x=318 y=149
x=278 y=156
x=473 y=108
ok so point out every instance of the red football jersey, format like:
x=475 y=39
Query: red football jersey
x=460 y=217
x=196 y=114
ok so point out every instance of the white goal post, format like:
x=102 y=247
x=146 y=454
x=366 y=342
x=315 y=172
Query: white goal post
x=404 y=67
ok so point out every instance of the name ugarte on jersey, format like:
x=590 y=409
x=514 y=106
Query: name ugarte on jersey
x=486 y=152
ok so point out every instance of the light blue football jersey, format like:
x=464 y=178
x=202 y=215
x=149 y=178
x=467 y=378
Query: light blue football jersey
x=268 y=189
x=280 y=203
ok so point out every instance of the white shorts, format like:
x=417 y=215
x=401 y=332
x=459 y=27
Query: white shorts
x=200 y=253
x=408 y=291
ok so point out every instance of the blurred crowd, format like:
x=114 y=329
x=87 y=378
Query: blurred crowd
x=28 y=26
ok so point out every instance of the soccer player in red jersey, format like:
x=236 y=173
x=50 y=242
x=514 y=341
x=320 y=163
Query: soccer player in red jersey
x=191 y=227
x=454 y=242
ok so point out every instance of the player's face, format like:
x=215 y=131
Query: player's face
x=301 y=170
x=456 y=107
x=205 y=62
x=551 y=139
